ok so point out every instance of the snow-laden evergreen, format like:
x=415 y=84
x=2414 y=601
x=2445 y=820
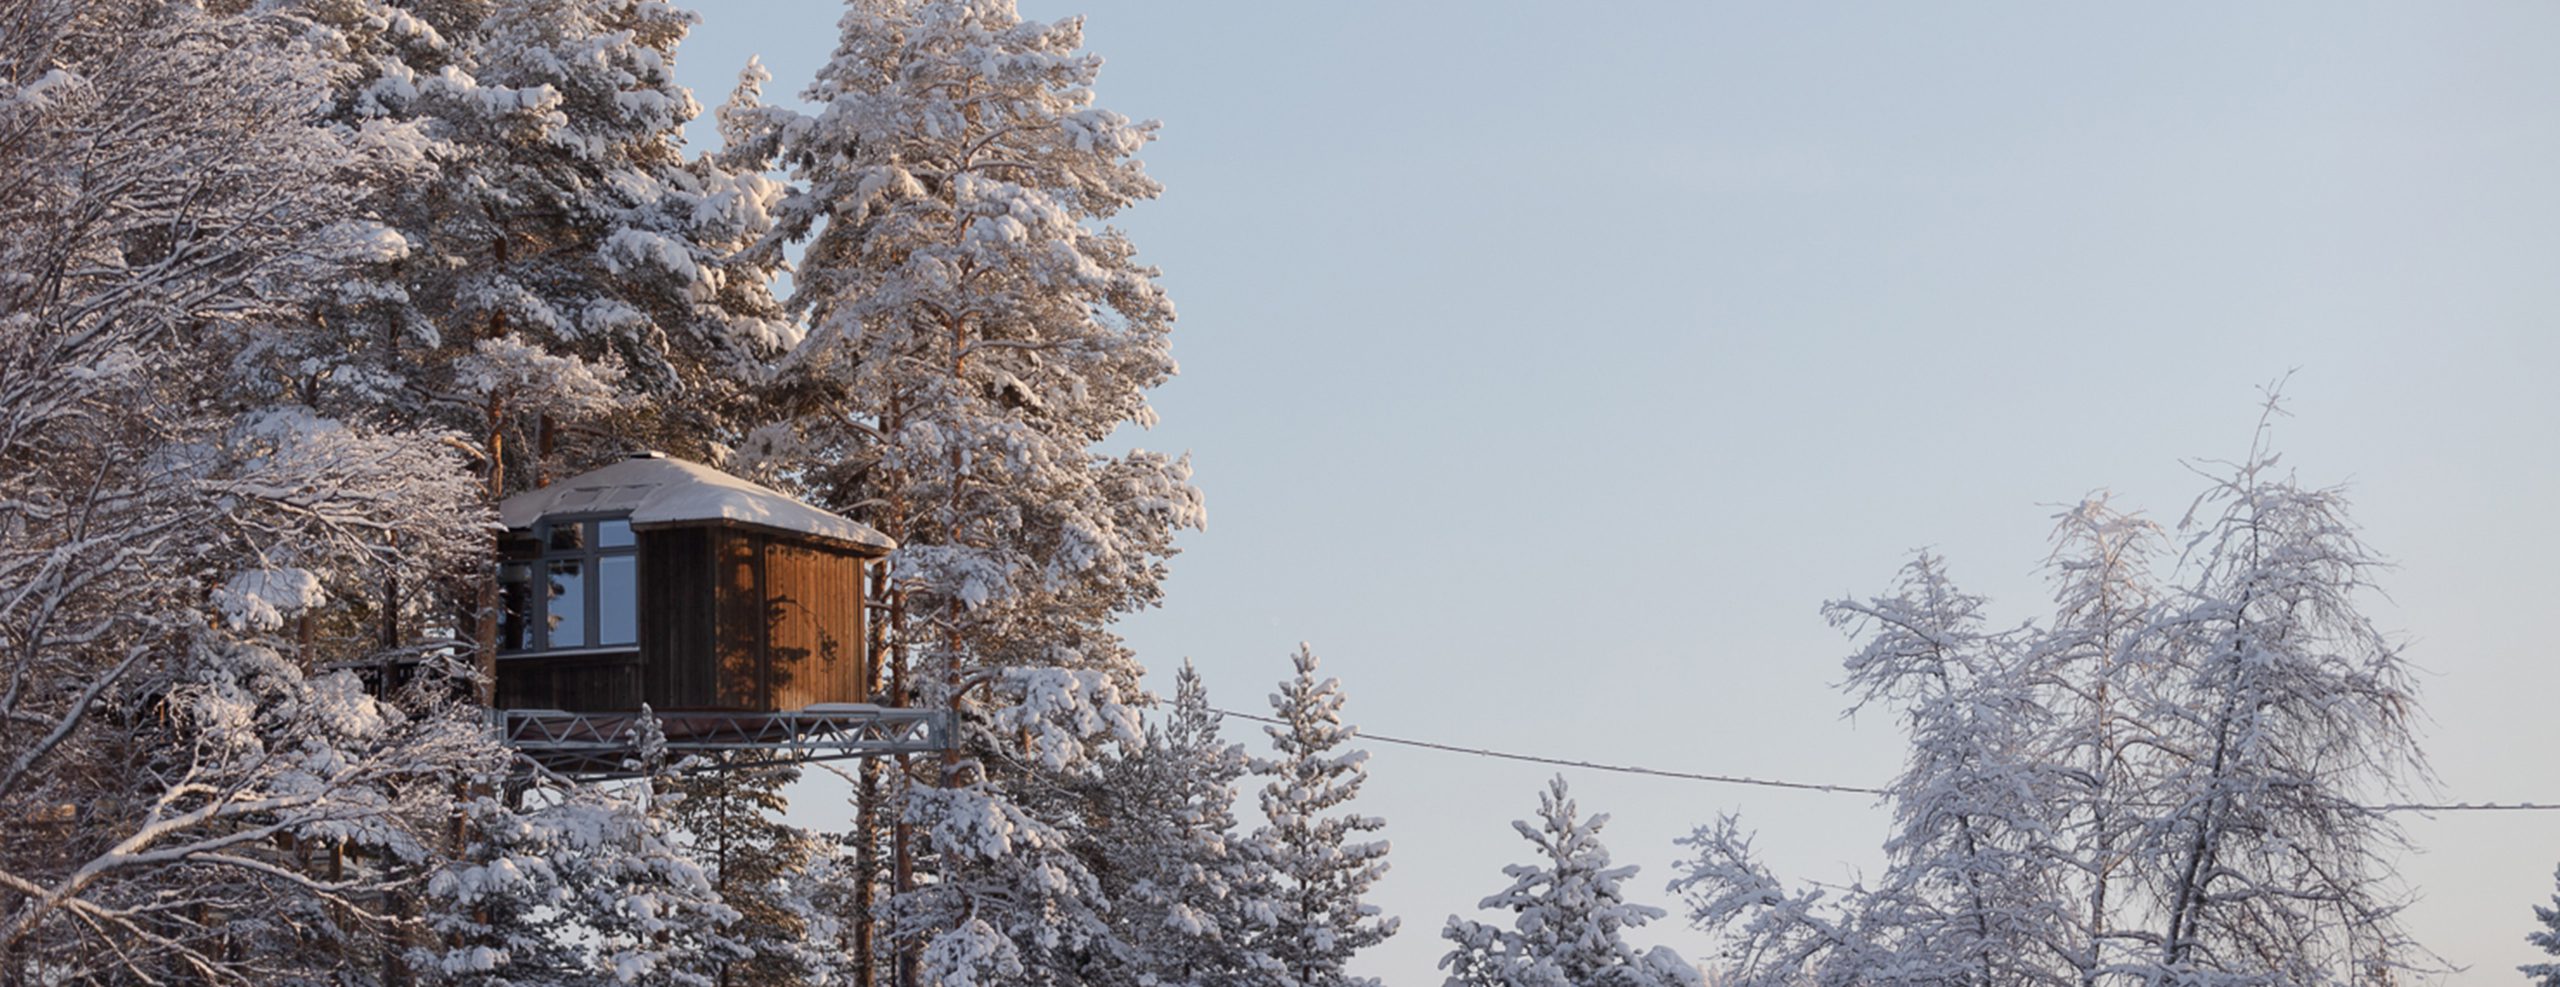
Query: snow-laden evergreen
x=728 y=815
x=1321 y=860
x=1189 y=894
x=1013 y=897
x=581 y=886
x=1569 y=910
x=2547 y=939
x=974 y=330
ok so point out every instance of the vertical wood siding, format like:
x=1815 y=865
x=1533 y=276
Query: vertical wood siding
x=730 y=619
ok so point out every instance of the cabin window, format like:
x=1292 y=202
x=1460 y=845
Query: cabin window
x=579 y=588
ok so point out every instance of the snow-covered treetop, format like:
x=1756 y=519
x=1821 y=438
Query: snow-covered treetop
x=658 y=490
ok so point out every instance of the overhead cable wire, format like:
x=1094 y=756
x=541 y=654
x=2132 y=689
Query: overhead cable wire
x=1806 y=786
x=1593 y=765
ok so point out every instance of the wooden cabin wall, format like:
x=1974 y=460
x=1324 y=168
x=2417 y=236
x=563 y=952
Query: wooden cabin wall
x=739 y=652
x=677 y=585
x=813 y=624
x=730 y=619
x=571 y=682
x=739 y=619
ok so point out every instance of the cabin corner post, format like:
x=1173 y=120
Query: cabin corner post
x=867 y=797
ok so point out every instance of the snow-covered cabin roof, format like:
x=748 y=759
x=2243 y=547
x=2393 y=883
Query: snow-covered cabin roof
x=656 y=490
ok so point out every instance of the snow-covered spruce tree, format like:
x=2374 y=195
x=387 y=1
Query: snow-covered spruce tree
x=1320 y=864
x=192 y=794
x=578 y=886
x=2548 y=938
x=975 y=332
x=2284 y=713
x=1568 y=911
x=1011 y=897
x=728 y=815
x=1182 y=881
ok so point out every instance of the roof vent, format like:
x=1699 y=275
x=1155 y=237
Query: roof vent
x=648 y=454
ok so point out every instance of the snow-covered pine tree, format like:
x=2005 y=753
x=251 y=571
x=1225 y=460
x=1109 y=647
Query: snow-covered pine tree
x=1321 y=864
x=2284 y=713
x=2548 y=939
x=1182 y=881
x=975 y=332
x=547 y=227
x=1011 y=896
x=1568 y=911
x=553 y=268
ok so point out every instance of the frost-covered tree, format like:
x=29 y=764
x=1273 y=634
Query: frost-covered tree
x=2166 y=786
x=2548 y=939
x=2094 y=666
x=1568 y=912
x=2284 y=711
x=1187 y=890
x=198 y=788
x=1320 y=861
x=1968 y=895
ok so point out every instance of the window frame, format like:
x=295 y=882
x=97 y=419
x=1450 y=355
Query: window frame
x=590 y=555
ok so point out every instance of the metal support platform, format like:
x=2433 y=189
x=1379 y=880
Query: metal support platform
x=605 y=744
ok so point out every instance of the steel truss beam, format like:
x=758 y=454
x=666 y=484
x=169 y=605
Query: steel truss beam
x=607 y=744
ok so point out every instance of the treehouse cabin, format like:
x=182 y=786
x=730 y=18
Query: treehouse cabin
x=663 y=582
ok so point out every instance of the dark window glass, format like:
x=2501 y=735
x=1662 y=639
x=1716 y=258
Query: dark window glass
x=568 y=536
x=515 y=598
x=565 y=608
x=613 y=534
x=617 y=599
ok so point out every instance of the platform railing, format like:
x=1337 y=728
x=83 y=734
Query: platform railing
x=607 y=744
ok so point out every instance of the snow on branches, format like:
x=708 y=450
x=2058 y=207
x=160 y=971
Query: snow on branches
x=2169 y=784
x=1568 y=911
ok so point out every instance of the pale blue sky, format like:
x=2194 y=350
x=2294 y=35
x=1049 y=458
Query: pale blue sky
x=1547 y=366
